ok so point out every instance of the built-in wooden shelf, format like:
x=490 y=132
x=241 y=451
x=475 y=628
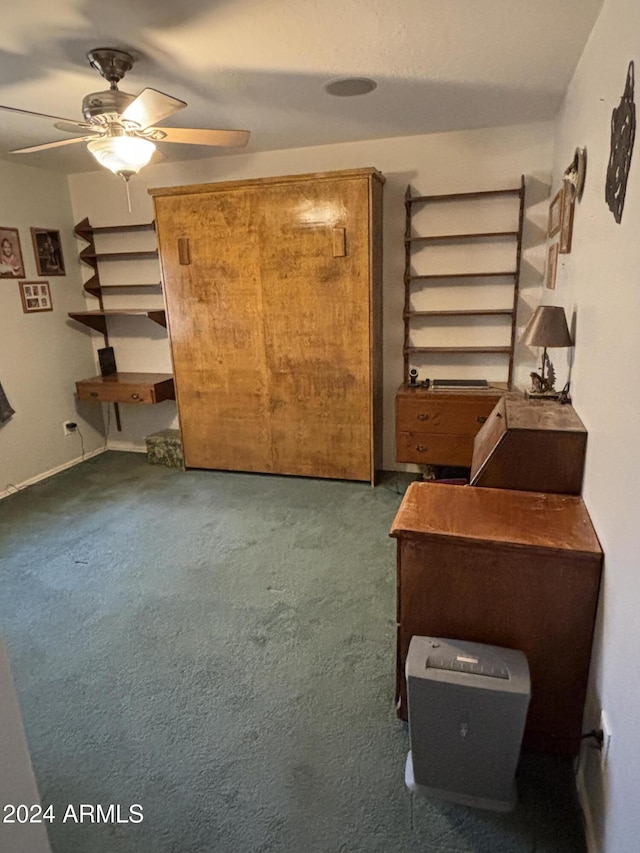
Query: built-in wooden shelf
x=97 y=320
x=482 y=312
x=86 y=230
x=461 y=196
x=111 y=389
x=139 y=284
x=473 y=233
x=118 y=256
x=502 y=274
x=123 y=229
x=457 y=349
x=454 y=238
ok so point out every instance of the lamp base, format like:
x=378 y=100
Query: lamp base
x=542 y=395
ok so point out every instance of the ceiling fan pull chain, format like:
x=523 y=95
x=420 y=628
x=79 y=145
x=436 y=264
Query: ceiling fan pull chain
x=126 y=183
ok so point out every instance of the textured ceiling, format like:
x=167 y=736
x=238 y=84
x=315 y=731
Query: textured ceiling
x=261 y=65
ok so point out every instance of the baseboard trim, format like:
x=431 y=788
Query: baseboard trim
x=125 y=446
x=18 y=487
x=585 y=804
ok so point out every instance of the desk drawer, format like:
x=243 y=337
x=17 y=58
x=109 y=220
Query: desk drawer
x=443 y=416
x=127 y=388
x=115 y=394
x=434 y=449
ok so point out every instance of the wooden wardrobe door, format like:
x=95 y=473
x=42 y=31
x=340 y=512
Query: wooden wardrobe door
x=273 y=307
x=316 y=310
x=210 y=252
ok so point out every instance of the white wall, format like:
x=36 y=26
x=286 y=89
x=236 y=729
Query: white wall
x=42 y=354
x=437 y=163
x=599 y=283
x=17 y=782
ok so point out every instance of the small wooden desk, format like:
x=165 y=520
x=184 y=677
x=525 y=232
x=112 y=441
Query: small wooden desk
x=508 y=568
x=532 y=446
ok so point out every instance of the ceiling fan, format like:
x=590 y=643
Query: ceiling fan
x=119 y=128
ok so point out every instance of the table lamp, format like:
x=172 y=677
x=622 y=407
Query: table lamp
x=546 y=328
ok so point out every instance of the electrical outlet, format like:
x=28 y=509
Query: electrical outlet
x=69 y=427
x=605 y=728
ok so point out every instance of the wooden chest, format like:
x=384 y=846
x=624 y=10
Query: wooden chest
x=507 y=568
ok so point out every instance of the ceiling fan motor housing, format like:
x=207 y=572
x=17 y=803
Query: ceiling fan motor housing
x=109 y=102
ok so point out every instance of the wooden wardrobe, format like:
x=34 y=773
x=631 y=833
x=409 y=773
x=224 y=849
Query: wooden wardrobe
x=273 y=298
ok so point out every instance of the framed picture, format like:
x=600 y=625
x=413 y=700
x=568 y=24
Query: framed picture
x=566 y=227
x=555 y=215
x=35 y=296
x=48 y=252
x=552 y=265
x=11 y=264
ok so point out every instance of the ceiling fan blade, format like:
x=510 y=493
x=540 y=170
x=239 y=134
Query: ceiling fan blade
x=201 y=136
x=43 y=146
x=151 y=106
x=39 y=115
x=75 y=126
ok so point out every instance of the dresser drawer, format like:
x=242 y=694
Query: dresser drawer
x=434 y=449
x=442 y=415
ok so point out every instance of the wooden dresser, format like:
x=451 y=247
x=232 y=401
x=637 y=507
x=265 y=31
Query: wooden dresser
x=507 y=568
x=438 y=427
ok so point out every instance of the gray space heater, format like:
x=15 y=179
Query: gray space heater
x=467 y=705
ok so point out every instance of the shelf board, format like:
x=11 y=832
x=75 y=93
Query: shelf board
x=452 y=238
x=503 y=274
x=123 y=229
x=97 y=320
x=118 y=256
x=483 y=312
x=460 y=196
x=141 y=284
x=506 y=350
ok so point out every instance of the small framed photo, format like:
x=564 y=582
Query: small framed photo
x=48 y=252
x=11 y=263
x=555 y=215
x=566 y=228
x=35 y=296
x=552 y=265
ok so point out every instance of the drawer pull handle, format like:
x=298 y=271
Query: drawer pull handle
x=135 y=396
x=93 y=393
x=423 y=416
x=481 y=419
x=184 y=255
x=421 y=448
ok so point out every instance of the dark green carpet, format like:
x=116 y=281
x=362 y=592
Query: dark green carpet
x=219 y=648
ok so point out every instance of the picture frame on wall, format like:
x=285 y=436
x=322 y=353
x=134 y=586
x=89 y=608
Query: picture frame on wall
x=552 y=265
x=36 y=296
x=555 y=215
x=11 y=263
x=47 y=251
x=566 y=227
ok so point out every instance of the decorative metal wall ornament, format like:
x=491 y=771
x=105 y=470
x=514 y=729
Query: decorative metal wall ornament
x=623 y=132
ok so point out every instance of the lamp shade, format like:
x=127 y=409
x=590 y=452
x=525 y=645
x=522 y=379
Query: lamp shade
x=547 y=328
x=124 y=155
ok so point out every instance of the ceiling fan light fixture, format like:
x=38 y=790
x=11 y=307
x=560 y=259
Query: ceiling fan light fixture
x=123 y=155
